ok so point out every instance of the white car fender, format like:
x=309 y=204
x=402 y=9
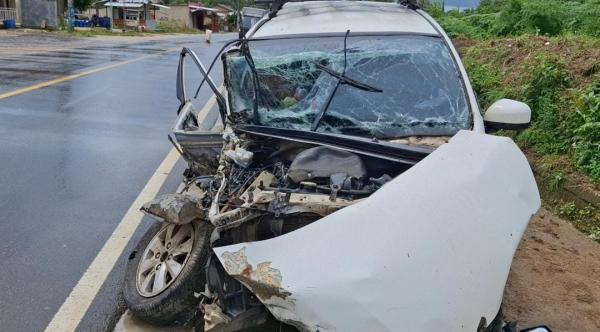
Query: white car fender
x=429 y=251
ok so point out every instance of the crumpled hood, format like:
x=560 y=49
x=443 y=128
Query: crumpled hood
x=430 y=251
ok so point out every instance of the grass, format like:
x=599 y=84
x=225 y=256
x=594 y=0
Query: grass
x=547 y=54
x=497 y=18
x=161 y=28
x=586 y=218
x=93 y=32
x=559 y=78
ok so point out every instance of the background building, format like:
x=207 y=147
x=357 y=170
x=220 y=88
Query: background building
x=31 y=13
x=39 y=13
x=10 y=10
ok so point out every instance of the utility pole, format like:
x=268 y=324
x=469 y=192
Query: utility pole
x=110 y=17
x=70 y=13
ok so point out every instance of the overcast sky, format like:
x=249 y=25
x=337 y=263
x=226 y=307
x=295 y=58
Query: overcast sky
x=461 y=3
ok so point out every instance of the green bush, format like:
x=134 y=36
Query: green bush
x=548 y=80
x=564 y=121
x=584 y=125
x=565 y=115
x=459 y=27
x=485 y=79
x=586 y=218
x=516 y=17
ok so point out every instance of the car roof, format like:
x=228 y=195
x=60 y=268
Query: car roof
x=327 y=17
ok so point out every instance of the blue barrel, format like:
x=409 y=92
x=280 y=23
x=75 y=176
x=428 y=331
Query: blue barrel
x=105 y=22
x=9 y=24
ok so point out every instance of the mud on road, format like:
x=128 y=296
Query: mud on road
x=555 y=277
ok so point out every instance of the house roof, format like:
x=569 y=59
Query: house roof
x=124 y=4
x=194 y=8
x=254 y=12
x=224 y=7
x=339 y=16
x=160 y=6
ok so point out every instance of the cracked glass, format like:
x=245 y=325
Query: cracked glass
x=423 y=94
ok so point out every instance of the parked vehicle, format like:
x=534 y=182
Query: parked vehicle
x=351 y=186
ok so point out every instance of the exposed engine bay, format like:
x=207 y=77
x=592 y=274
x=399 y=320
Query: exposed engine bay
x=264 y=187
x=265 y=181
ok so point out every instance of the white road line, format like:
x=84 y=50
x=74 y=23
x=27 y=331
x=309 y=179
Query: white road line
x=73 y=309
x=81 y=297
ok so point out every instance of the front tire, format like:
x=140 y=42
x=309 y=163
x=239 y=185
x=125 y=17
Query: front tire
x=165 y=270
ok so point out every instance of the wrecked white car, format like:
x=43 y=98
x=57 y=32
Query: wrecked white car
x=349 y=186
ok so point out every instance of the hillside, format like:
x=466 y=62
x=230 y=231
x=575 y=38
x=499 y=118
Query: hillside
x=547 y=54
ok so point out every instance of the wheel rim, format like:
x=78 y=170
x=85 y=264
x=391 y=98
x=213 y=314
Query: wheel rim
x=164 y=259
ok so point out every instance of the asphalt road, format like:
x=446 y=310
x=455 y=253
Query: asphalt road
x=74 y=155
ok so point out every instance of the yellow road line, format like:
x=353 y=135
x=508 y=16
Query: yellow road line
x=77 y=75
x=81 y=297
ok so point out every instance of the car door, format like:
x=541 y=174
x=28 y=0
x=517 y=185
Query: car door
x=197 y=134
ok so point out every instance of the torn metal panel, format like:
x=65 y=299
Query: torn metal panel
x=175 y=208
x=199 y=144
x=265 y=280
x=429 y=251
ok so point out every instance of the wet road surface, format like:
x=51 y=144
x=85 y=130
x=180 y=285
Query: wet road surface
x=73 y=157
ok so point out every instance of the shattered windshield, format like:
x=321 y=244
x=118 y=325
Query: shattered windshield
x=282 y=83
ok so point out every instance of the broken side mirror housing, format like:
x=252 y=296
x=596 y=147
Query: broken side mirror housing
x=507 y=114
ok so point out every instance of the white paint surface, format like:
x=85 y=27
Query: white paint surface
x=430 y=251
x=508 y=111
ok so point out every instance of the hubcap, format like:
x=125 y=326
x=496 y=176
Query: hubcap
x=164 y=258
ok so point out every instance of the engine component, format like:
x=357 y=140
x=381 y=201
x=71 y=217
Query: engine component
x=322 y=162
x=240 y=156
x=175 y=208
x=259 y=199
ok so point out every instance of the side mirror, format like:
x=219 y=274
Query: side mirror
x=507 y=114
x=537 y=329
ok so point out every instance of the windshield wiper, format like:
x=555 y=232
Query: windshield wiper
x=341 y=79
x=347 y=80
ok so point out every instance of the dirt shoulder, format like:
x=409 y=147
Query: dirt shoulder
x=555 y=277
